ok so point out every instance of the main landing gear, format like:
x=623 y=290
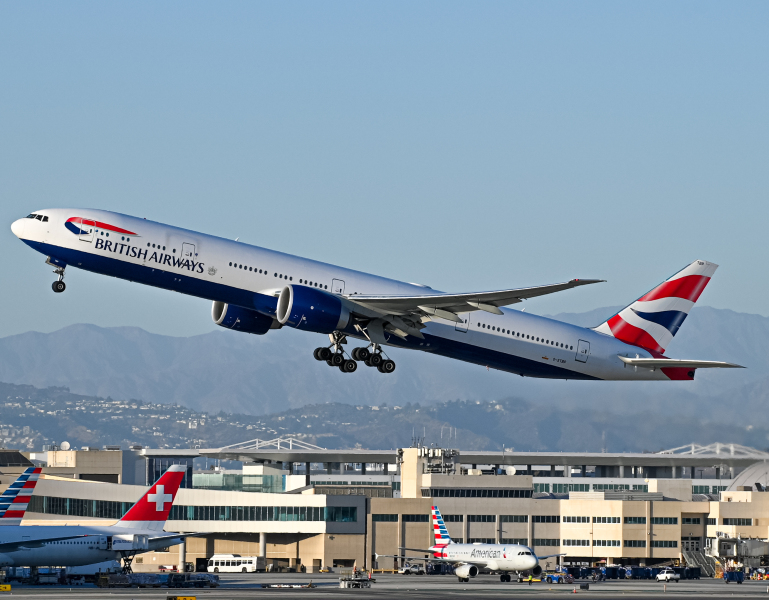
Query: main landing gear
x=334 y=356
x=505 y=578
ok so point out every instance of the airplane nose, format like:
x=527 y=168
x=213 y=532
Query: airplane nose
x=18 y=227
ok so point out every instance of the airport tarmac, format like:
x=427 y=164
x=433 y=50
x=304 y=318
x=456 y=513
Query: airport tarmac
x=237 y=586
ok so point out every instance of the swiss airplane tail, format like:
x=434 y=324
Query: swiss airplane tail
x=14 y=500
x=439 y=528
x=151 y=511
x=652 y=320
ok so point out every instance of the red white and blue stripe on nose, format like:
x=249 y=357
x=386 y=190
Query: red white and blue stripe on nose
x=439 y=528
x=82 y=226
x=14 y=500
x=652 y=320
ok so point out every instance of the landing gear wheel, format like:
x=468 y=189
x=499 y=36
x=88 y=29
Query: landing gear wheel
x=362 y=354
x=375 y=360
x=387 y=366
x=324 y=353
x=58 y=286
x=348 y=366
x=316 y=354
x=336 y=360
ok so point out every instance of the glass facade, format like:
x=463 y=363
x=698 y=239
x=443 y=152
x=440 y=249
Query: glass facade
x=235 y=482
x=474 y=493
x=157 y=466
x=115 y=510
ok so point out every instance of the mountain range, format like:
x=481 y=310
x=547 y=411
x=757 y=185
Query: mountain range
x=259 y=375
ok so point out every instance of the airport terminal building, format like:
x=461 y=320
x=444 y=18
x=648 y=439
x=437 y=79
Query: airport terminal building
x=307 y=507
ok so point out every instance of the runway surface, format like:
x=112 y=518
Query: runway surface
x=236 y=586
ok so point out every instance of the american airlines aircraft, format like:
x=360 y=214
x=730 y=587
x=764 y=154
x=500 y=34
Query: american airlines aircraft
x=255 y=290
x=467 y=558
x=140 y=529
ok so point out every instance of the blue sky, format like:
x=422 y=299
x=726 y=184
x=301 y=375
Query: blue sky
x=467 y=146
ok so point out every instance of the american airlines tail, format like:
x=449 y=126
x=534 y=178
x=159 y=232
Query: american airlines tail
x=152 y=509
x=14 y=500
x=442 y=537
x=652 y=321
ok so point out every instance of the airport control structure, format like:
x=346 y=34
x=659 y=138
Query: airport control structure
x=302 y=507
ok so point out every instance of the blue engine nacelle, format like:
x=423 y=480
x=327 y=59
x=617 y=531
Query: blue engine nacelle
x=306 y=308
x=242 y=319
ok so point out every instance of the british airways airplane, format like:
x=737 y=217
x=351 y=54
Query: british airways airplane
x=256 y=290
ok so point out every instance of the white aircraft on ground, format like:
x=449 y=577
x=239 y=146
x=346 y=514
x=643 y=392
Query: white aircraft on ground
x=255 y=290
x=140 y=530
x=468 y=559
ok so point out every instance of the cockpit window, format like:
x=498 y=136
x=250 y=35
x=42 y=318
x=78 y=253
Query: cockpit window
x=32 y=216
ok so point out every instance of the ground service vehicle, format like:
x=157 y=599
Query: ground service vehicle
x=668 y=575
x=411 y=569
x=235 y=563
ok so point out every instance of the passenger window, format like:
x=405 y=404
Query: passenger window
x=250 y=269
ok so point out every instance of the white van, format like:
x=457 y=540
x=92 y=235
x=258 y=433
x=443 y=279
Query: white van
x=235 y=563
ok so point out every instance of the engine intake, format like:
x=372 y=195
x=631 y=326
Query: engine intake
x=242 y=319
x=306 y=308
x=465 y=571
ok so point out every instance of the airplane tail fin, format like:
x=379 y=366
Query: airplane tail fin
x=439 y=528
x=152 y=509
x=651 y=321
x=14 y=500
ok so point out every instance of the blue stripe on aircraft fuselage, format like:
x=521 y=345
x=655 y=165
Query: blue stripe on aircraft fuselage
x=211 y=290
x=669 y=319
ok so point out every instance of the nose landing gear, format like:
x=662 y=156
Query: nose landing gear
x=58 y=286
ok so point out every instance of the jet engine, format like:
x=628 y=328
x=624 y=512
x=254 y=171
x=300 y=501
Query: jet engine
x=242 y=319
x=465 y=571
x=536 y=570
x=306 y=308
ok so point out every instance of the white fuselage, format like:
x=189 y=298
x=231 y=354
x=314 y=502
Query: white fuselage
x=100 y=545
x=495 y=557
x=201 y=265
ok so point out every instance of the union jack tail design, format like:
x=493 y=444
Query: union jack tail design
x=652 y=320
x=14 y=500
x=439 y=528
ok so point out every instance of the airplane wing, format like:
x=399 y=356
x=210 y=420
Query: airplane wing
x=436 y=304
x=172 y=536
x=550 y=556
x=11 y=546
x=659 y=363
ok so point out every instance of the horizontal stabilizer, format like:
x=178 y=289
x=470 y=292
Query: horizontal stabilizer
x=660 y=363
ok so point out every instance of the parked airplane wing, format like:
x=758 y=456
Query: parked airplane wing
x=448 y=305
x=659 y=363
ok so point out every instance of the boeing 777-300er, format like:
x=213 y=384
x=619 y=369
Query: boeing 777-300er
x=140 y=530
x=467 y=559
x=255 y=290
